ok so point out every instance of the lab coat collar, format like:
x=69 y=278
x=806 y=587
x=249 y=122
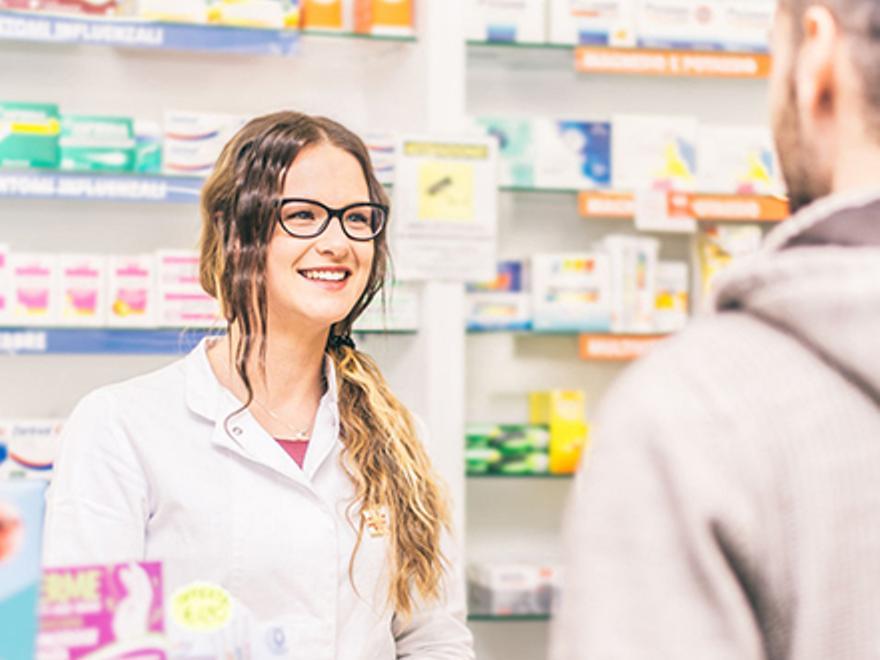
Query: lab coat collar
x=239 y=431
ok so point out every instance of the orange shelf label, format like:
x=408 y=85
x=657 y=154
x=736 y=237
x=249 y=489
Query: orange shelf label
x=755 y=208
x=616 y=348
x=614 y=205
x=597 y=59
x=702 y=207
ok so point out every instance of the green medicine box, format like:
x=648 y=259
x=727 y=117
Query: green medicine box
x=29 y=135
x=94 y=143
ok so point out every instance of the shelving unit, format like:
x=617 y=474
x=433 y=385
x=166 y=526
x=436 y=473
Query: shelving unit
x=519 y=519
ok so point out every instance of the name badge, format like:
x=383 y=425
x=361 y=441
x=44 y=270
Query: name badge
x=377 y=521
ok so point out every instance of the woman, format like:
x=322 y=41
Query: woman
x=275 y=461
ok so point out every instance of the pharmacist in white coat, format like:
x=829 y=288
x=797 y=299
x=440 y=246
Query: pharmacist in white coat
x=274 y=461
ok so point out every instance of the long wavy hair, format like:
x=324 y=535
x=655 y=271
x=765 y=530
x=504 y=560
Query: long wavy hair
x=382 y=454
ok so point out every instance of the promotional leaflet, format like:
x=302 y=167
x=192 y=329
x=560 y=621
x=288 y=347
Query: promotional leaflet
x=445 y=201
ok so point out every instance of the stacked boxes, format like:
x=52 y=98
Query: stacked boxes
x=82 y=290
x=502 y=304
x=513 y=589
x=633 y=262
x=564 y=413
x=193 y=141
x=508 y=449
x=571 y=292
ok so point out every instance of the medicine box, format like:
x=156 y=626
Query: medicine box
x=571 y=292
x=513 y=21
x=29 y=135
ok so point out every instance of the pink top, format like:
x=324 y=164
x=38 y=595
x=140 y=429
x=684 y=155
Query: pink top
x=296 y=449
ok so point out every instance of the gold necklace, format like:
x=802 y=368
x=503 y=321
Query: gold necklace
x=299 y=434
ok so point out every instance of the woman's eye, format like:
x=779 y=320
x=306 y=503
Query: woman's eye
x=357 y=218
x=303 y=215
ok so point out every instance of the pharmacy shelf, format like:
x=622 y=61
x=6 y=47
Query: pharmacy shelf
x=47 y=184
x=606 y=60
x=510 y=618
x=151 y=35
x=110 y=341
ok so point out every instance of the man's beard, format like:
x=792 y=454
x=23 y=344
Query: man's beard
x=802 y=168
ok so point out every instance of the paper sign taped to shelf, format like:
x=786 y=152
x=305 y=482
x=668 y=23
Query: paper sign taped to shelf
x=654 y=213
x=444 y=218
x=592 y=59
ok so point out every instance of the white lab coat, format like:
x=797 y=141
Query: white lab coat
x=149 y=469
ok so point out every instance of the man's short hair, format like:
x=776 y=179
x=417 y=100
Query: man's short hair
x=860 y=20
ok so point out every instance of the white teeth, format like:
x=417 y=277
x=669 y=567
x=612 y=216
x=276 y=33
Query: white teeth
x=325 y=275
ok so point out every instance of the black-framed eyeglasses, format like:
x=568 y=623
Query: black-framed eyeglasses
x=307 y=218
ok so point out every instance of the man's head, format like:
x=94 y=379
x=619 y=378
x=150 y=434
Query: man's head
x=825 y=94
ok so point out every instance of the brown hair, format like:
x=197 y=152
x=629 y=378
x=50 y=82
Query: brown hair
x=382 y=454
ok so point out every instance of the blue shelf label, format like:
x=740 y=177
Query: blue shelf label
x=146 y=34
x=133 y=188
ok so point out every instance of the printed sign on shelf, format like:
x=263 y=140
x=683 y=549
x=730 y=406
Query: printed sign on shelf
x=728 y=207
x=445 y=209
x=702 y=207
x=647 y=62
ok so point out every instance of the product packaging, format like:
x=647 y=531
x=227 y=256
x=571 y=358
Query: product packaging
x=634 y=277
x=719 y=246
x=381 y=147
x=516 y=149
x=678 y=24
x=5 y=301
x=510 y=449
x=654 y=153
x=745 y=24
x=502 y=304
x=737 y=160
x=672 y=299
x=572 y=154
x=564 y=413
x=384 y=17
x=29 y=135
x=278 y=14
x=94 y=143
x=591 y=22
x=82 y=289
x=21 y=529
x=520 y=21
x=29 y=447
x=173 y=11
x=33 y=289
x=85 y=7
x=182 y=301
x=131 y=291
x=571 y=292
x=148 y=146
x=513 y=589
x=193 y=140
x=111 y=611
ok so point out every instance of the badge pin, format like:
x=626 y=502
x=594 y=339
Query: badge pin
x=377 y=522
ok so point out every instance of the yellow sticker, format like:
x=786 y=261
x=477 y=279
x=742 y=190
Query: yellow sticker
x=446 y=191
x=201 y=607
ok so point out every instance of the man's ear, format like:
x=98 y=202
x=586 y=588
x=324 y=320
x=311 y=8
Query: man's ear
x=815 y=70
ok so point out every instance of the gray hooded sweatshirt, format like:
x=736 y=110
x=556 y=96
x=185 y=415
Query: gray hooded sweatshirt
x=730 y=508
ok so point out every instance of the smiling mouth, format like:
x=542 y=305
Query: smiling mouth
x=325 y=274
